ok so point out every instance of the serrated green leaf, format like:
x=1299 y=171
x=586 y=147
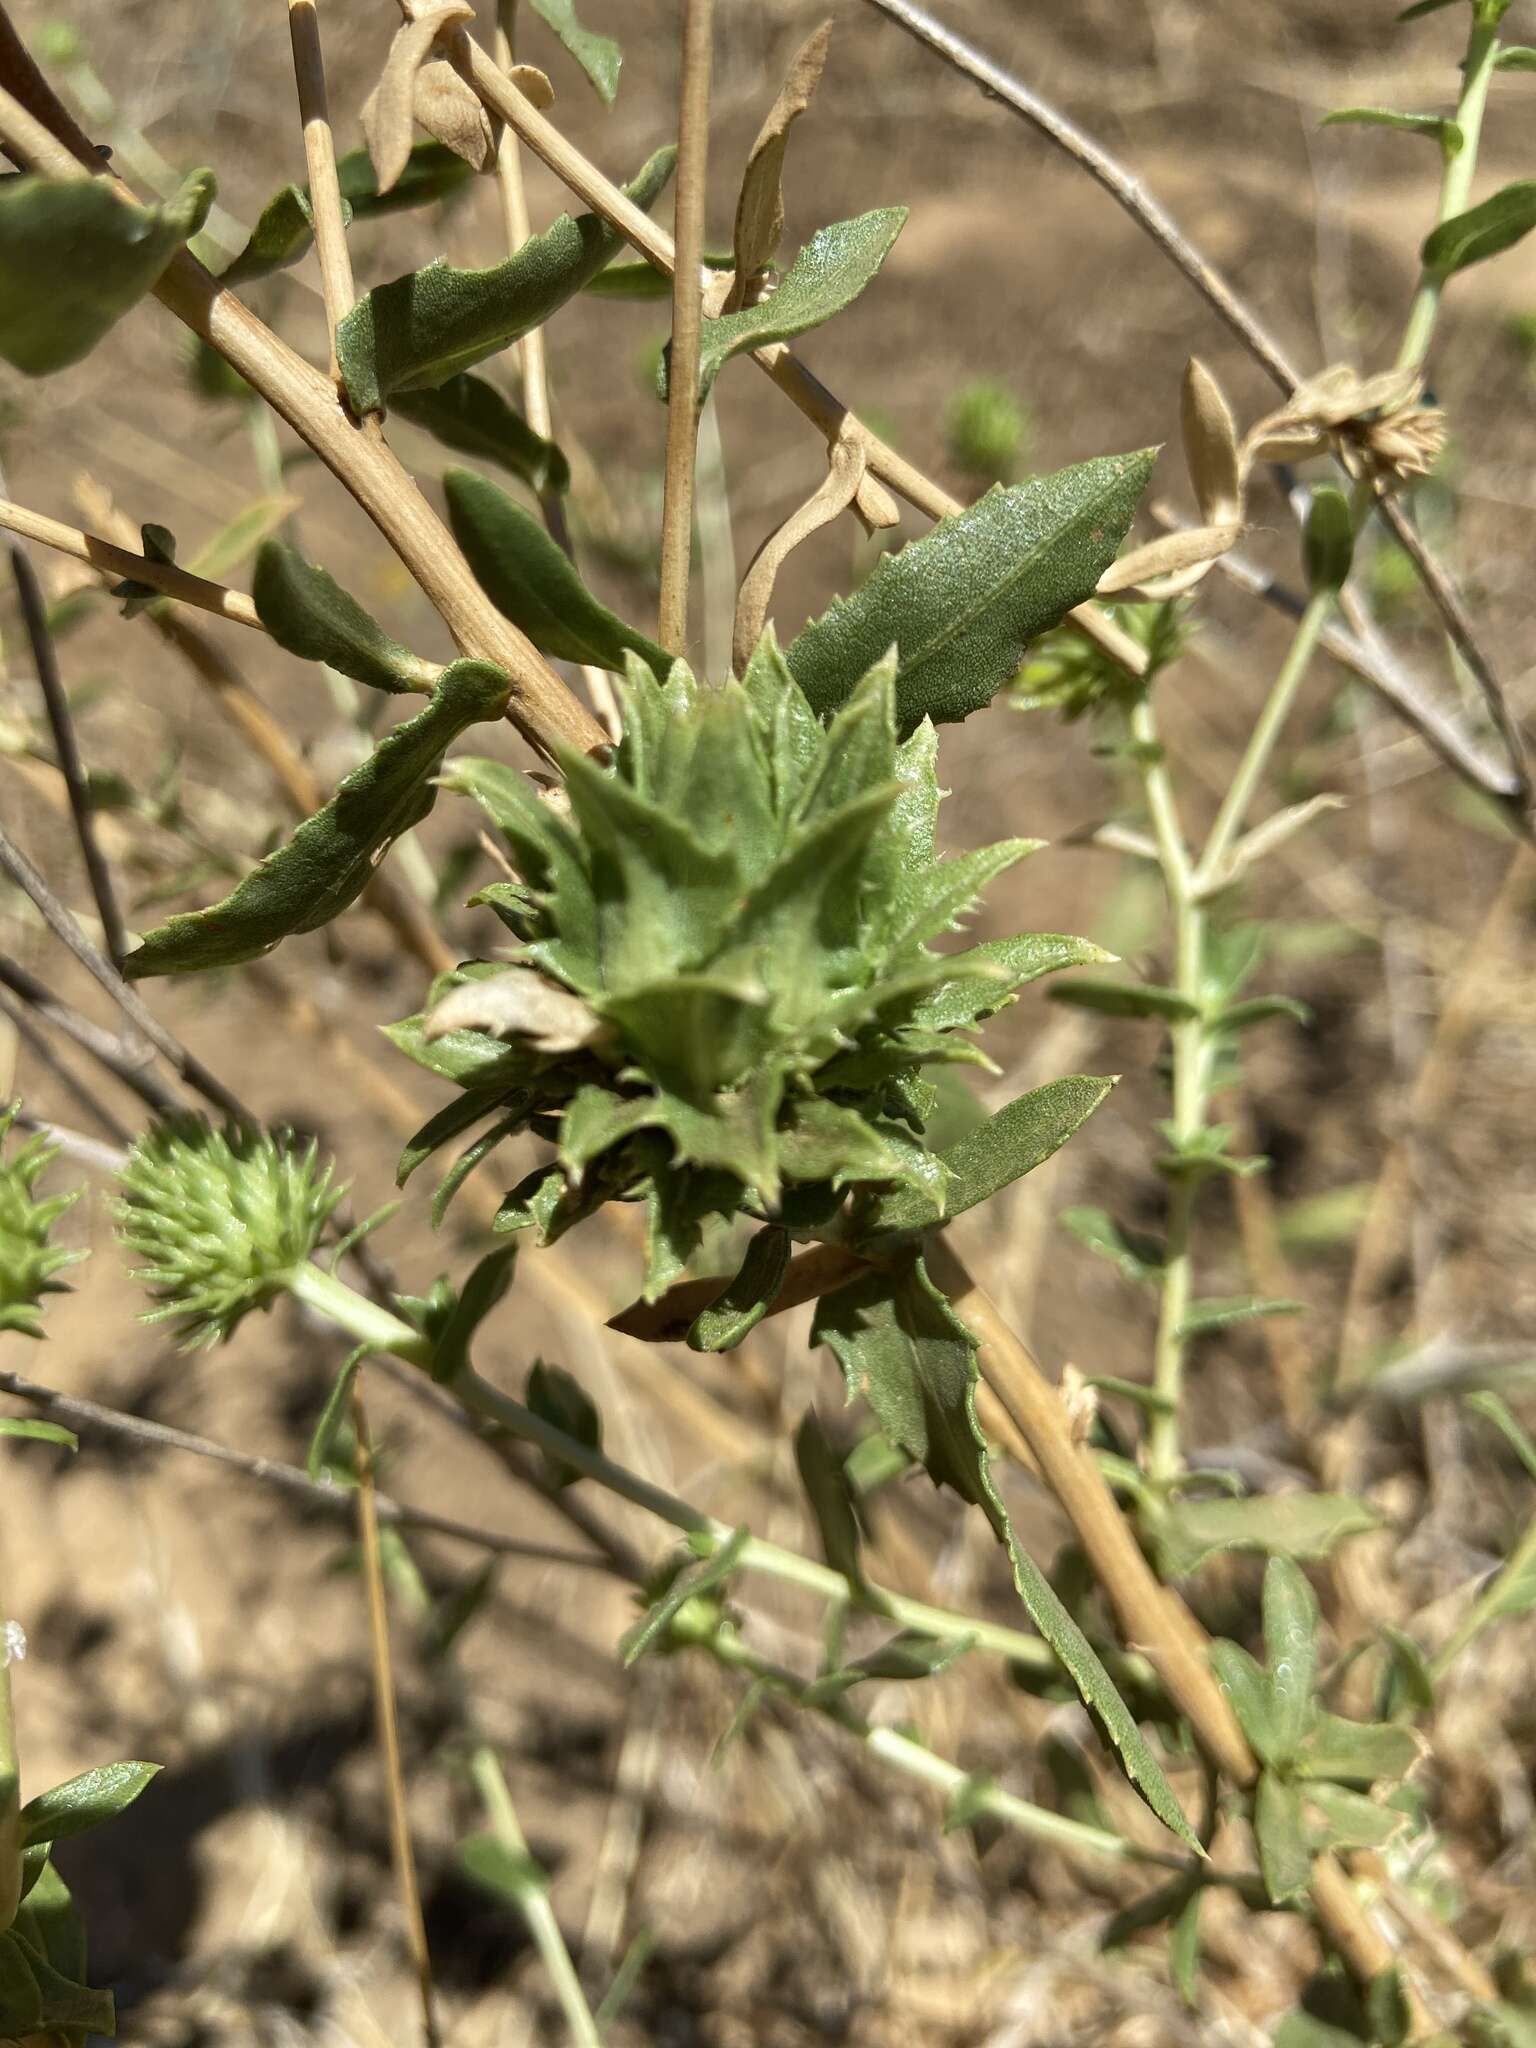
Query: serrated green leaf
x=83 y=1802
x=961 y=604
x=1125 y=999
x=748 y=1298
x=1139 y=1258
x=308 y=613
x=828 y=274
x=1482 y=231
x=429 y=325
x=1011 y=1143
x=1284 y=1857
x=1290 y=1649
x=41 y=1432
x=1356 y=1752
x=599 y=56
x=983 y=980
x=1191 y=1530
x=1435 y=126
x=1246 y=1685
x=1221 y=1311
x=74 y=258
x=902 y=1348
x=555 y=1396
x=922 y=904
x=328 y=861
x=530 y=580
x=333 y=1417
x=830 y=1494
x=510 y=1873
x=470 y=416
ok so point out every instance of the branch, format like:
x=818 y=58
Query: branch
x=687 y=326
x=124 y=563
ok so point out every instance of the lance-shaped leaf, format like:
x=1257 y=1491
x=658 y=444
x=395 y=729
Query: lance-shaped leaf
x=83 y=1802
x=284 y=229
x=530 y=580
x=829 y=273
x=285 y=226
x=1020 y=1137
x=1434 y=126
x=1483 y=231
x=1221 y=1311
x=327 y=863
x=962 y=603
x=471 y=417
x=74 y=258
x=307 y=612
x=748 y=1298
x=830 y=1493
x=1125 y=999
x=1277 y=1826
x=903 y=1349
x=1139 y=1258
x=599 y=56
x=427 y=326
x=1290 y=1649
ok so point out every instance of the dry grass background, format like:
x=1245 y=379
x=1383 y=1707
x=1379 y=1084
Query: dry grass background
x=794 y=1894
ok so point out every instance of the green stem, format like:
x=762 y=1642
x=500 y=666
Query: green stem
x=10 y=1795
x=1456 y=182
x=364 y=1321
x=1261 y=742
x=907 y=1755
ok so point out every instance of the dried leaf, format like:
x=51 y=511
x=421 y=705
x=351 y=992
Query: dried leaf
x=1210 y=447
x=760 y=208
x=1175 y=560
x=449 y=108
x=389 y=112
x=517 y=1004
x=847 y=465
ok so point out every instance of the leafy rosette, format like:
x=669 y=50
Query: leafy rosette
x=725 y=993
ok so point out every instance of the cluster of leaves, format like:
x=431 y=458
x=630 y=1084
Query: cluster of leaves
x=1067 y=673
x=43 y=1964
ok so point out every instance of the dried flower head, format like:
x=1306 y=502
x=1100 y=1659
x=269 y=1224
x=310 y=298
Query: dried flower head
x=27 y=1261
x=222 y=1218
x=1378 y=425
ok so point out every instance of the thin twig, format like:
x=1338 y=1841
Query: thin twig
x=124 y=1059
x=122 y=564
x=1127 y=190
x=687 y=325
x=91 y=1418
x=65 y=927
x=320 y=160
x=37 y=1040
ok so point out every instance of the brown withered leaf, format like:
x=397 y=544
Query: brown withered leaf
x=389 y=112
x=1174 y=562
x=760 y=209
x=518 y=1004
x=1210 y=447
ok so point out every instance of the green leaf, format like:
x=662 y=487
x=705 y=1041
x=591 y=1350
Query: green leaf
x=1189 y=1531
x=1184 y=1949
x=42 y=1432
x=510 y=1873
x=1423 y=7
x=432 y=172
x=530 y=580
x=1125 y=999
x=1515 y=57
x=470 y=416
x=308 y=613
x=1348 y=1820
x=327 y=863
x=427 y=326
x=902 y=1348
x=83 y=1802
x=962 y=603
x=320 y=1462
x=1283 y=1854
x=158 y=544
x=556 y=1397
x=21 y=2003
x=449 y=1121
x=1483 y=231
x=1328 y=539
x=599 y=56
x=982 y=980
x=748 y=1298
x=1011 y=1143
x=905 y=1658
x=1497 y=1411
x=1247 y=1687
x=1435 y=126
x=1139 y=1258
x=1290 y=1650
x=49 y=1920
x=642 y=281
x=240 y=537
x=74 y=257
x=1258 y=1010
x=694 y=1583
x=284 y=229
x=488 y=1282
x=1300 y=2029
x=1356 y=1752
x=830 y=1493
x=829 y=273
x=1221 y=1311
x=1387 y=2008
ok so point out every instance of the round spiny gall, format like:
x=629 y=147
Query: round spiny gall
x=221 y=1220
